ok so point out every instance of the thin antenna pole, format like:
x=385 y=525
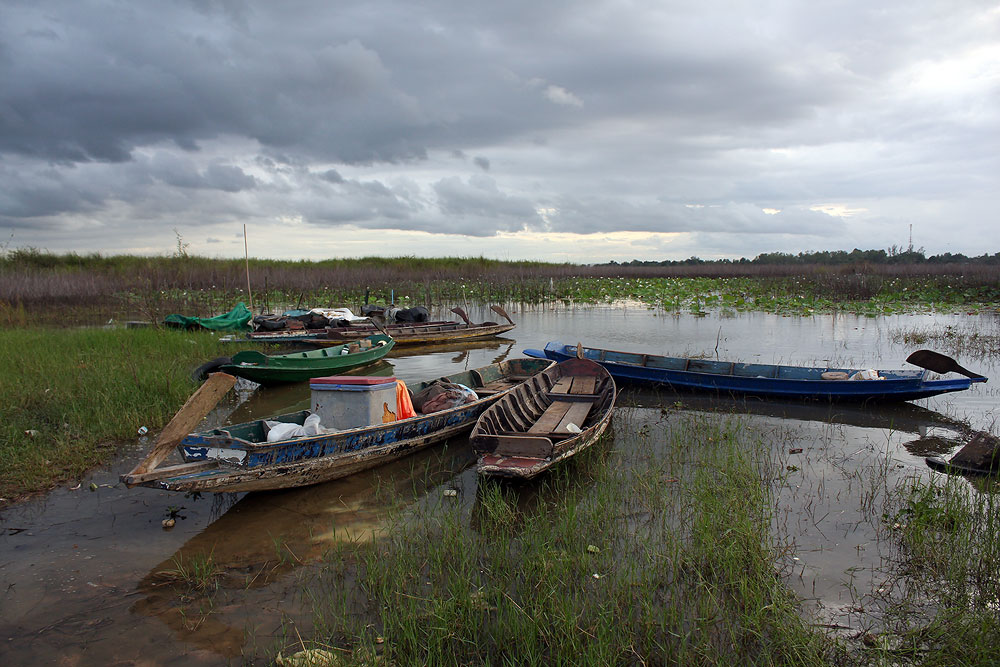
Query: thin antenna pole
x=246 y=255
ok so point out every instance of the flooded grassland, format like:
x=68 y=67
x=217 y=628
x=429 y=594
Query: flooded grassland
x=700 y=530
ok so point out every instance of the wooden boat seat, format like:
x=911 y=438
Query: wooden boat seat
x=497 y=386
x=575 y=385
x=561 y=414
x=523 y=445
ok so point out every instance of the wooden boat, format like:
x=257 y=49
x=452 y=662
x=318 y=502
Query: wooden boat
x=773 y=380
x=299 y=366
x=404 y=333
x=421 y=333
x=548 y=419
x=239 y=458
x=309 y=336
x=979 y=456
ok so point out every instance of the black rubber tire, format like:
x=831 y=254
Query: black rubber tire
x=200 y=374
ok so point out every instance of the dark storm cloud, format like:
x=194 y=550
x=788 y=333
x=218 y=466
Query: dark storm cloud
x=658 y=117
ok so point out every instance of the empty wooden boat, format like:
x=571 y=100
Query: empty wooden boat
x=554 y=415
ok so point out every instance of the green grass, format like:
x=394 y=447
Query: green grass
x=664 y=560
x=70 y=397
x=941 y=606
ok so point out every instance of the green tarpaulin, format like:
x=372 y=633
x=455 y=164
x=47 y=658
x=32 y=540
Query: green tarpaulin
x=236 y=319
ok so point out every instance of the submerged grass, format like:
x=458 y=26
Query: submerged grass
x=668 y=559
x=942 y=600
x=69 y=396
x=978 y=339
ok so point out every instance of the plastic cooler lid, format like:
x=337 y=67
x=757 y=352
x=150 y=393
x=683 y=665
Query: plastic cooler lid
x=357 y=380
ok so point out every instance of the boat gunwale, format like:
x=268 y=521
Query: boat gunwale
x=208 y=439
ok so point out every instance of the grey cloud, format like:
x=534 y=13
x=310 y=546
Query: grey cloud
x=604 y=117
x=479 y=195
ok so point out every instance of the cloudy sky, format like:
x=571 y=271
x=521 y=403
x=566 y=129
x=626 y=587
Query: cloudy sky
x=565 y=130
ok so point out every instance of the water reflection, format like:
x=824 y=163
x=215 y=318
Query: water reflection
x=264 y=536
x=70 y=562
x=937 y=432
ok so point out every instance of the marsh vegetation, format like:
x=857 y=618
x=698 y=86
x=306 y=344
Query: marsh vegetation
x=686 y=536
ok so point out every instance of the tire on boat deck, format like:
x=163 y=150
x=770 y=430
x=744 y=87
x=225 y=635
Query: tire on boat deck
x=200 y=374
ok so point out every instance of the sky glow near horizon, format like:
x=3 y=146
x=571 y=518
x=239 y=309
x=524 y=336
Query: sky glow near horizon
x=581 y=131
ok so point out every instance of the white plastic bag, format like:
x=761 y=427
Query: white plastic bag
x=286 y=431
x=867 y=374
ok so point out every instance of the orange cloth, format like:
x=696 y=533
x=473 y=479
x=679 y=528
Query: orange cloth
x=404 y=406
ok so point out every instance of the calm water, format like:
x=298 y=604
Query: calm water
x=79 y=568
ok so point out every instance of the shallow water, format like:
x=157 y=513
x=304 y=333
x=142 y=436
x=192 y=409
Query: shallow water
x=86 y=574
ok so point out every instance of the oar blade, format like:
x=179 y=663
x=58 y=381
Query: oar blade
x=939 y=363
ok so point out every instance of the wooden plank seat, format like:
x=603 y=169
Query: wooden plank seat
x=572 y=398
x=495 y=387
x=560 y=414
x=519 y=444
x=576 y=386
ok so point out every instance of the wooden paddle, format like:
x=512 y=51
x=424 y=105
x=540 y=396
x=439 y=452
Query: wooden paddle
x=382 y=330
x=461 y=313
x=502 y=313
x=192 y=412
x=939 y=363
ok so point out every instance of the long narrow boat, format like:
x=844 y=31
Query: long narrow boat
x=309 y=336
x=299 y=366
x=420 y=333
x=766 y=380
x=544 y=421
x=239 y=458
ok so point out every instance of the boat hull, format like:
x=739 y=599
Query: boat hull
x=534 y=427
x=789 y=382
x=231 y=459
x=418 y=335
x=301 y=366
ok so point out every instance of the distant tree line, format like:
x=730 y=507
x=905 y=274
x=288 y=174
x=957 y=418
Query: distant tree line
x=893 y=255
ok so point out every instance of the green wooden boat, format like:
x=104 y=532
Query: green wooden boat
x=300 y=366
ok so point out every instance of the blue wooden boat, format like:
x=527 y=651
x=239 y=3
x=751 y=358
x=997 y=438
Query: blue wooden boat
x=239 y=457
x=771 y=380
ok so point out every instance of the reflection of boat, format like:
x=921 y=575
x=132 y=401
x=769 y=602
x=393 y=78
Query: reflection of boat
x=554 y=415
x=264 y=536
x=900 y=416
x=300 y=366
x=936 y=433
x=766 y=380
x=239 y=457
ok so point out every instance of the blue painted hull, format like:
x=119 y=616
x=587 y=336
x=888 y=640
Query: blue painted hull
x=764 y=380
x=238 y=457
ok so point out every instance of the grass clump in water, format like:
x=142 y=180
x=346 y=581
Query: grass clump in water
x=610 y=560
x=941 y=598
